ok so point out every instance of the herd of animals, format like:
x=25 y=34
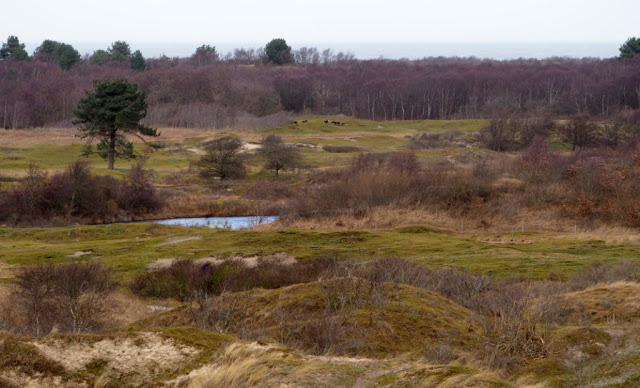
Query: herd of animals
x=325 y=121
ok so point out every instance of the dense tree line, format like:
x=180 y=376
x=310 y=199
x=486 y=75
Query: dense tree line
x=209 y=90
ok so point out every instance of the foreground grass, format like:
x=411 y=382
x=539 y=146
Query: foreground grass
x=129 y=247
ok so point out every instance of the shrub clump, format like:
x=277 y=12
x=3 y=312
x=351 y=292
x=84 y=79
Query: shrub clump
x=77 y=193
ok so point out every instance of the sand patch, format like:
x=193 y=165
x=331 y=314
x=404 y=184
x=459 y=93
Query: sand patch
x=145 y=355
x=6 y=271
x=178 y=240
x=196 y=151
x=79 y=254
x=160 y=264
x=249 y=261
x=250 y=146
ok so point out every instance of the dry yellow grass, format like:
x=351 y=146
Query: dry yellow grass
x=124 y=309
x=603 y=303
x=251 y=365
x=65 y=136
x=387 y=218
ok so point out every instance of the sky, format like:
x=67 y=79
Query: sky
x=251 y=23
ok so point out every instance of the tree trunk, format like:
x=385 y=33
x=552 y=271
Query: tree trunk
x=112 y=149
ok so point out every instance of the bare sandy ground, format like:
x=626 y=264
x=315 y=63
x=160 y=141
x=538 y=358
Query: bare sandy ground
x=144 y=355
x=249 y=261
x=178 y=240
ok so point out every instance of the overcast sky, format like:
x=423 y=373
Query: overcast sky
x=256 y=22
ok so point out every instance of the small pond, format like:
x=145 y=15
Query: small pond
x=218 y=222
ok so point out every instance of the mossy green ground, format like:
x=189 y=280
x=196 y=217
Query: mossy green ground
x=368 y=136
x=129 y=247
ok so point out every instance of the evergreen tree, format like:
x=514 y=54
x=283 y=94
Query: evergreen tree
x=119 y=51
x=52 y=51
x=13 y=49
x=279 y=52
x=137 y=61
x=204 y=55
x=630 y=48
x=108 y=114
x=100 y=57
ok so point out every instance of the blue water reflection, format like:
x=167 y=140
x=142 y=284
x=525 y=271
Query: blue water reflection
x=219 y=222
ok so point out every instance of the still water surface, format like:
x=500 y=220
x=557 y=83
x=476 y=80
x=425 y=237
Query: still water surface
x=218 y=222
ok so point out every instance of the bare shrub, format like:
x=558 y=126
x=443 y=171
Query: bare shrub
x=441 y=354
x=461 y=286
x=82 y=192
x=511 y=339
x=187 y=280
x=405 y=163
x=68 y=296
x=222 y=315
x=511 y=327
x=579 y=132
x=28 y=199
x=500 y=135
x=32 y=293
x=322 y=336
x=181 y=280
x=435 y=140
x=340 y=149
x=457 y=192
x=77 y=194
x=603 y=272
x=269 y=190
x=530 y=129
x=137 y=194
x=535 y=161
x=512 y=133
x=349 y=280
x=349 y=293
x=397 y=270
x=278 y=155
x=368 y=162
x=222 y=159
x=79 y=292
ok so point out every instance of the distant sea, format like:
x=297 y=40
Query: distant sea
x=498 y=50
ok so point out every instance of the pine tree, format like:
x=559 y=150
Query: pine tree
x=108 y=114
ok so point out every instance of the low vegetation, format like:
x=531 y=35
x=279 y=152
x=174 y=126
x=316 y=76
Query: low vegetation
x=77 y=194
x=470 y=253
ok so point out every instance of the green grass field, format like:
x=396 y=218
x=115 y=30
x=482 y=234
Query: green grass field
x=129 y=247
x=368 y=136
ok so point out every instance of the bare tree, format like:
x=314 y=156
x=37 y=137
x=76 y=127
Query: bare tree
x=33 y=292
x=222 y=159
x=278 y=155
x=579 y=132
x=80 y=291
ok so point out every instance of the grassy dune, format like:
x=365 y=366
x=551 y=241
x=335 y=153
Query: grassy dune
x=341 y=331
x=54 y=149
